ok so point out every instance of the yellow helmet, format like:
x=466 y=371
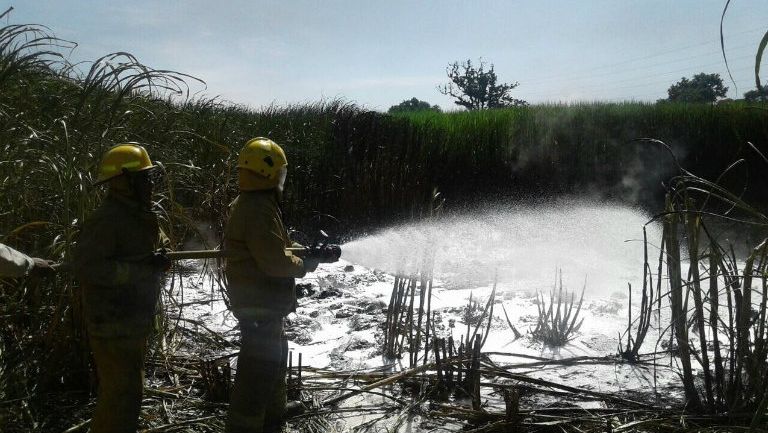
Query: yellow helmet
x=265 y=162
x=128 y=157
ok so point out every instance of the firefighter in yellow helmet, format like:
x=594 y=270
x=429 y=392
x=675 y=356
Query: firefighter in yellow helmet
x=119 y=274
x=260 y=274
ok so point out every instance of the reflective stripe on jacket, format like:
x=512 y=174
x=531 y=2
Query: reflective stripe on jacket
x=120 y=289
x=14 y=263
x=260 y=271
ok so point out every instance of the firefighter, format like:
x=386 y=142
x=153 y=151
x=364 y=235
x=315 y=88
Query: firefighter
x=119 y=273
x=260 y=274
x=16 y=264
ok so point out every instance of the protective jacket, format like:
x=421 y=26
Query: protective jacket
x=111 y=260
x=13 y=263
x=260 y=271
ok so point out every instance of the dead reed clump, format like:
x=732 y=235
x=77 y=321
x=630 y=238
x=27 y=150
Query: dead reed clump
x=408 y=323
x=722 y=297
x=409 y=326
x=557 y=322
x=217 y=379
x=631 y=351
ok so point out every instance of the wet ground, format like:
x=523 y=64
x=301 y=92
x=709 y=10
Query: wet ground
x=338 y=327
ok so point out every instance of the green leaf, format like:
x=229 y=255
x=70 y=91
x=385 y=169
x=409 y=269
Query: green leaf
x=722 y=44
x=759 y=58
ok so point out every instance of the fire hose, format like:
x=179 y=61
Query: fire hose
x=323 y=253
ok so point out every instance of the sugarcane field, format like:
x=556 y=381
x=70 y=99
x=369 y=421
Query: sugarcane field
x=372 y=217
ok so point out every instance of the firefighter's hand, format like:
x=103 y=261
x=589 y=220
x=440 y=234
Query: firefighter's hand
x=160 y=261
x=331 y=253
x=42 y=268
x=310 y=264
x=325 y=253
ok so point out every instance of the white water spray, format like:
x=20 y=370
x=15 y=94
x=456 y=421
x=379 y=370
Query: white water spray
x=524 y=245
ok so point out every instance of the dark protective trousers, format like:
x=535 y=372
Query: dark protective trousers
x=120 y=369
x=259 y=396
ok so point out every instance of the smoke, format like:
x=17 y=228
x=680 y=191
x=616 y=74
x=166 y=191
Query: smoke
x=523 y=245
x=592 y=150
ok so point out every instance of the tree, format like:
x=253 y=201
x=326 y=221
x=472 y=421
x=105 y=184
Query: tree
x=477 y=88
x=702 y=88
x=413 y=104
x=757 y=95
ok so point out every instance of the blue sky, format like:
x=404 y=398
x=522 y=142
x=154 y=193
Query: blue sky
x=378 y=53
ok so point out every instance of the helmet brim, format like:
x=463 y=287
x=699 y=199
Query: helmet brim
x=101 y=181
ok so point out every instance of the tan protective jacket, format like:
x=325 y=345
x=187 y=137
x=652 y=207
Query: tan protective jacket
x=120 y=288
x=14 y=263
x=260 y=271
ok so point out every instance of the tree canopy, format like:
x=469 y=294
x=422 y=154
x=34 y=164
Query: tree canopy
x=477 y=88
x=702 y=88
x=413 y=104
x=756 y=95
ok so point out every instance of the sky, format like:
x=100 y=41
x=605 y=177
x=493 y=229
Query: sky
x=379 y=53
